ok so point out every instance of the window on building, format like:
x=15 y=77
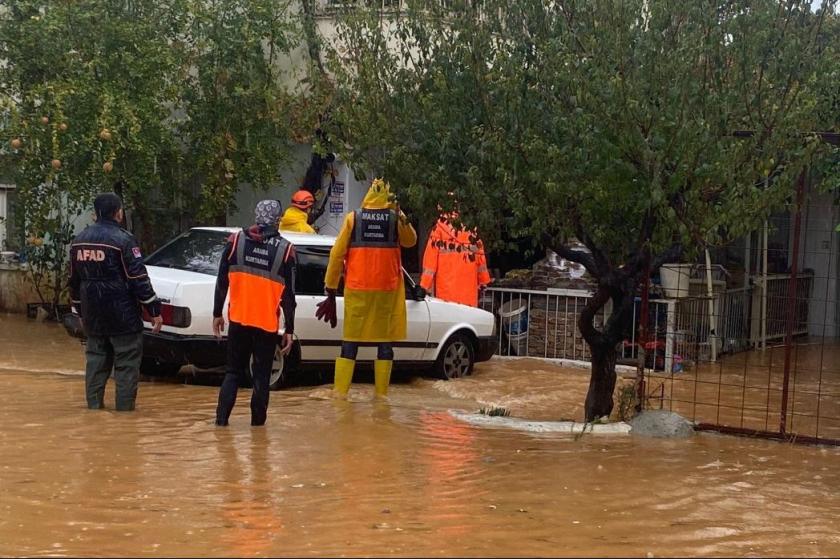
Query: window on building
x=11 y=238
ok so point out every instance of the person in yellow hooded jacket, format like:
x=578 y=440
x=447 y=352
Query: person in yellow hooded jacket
x=296 y=217
x=367 y=250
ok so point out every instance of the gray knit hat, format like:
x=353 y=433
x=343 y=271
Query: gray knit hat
x=268 y=212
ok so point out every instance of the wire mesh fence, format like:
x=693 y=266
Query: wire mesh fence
x=757 y=352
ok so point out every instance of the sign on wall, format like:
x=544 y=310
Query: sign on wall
x=337 y=198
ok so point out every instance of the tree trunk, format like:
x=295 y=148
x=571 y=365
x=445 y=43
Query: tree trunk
x=599 y=397
x=603 y=343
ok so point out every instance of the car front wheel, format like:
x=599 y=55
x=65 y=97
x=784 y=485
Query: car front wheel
x=456 y=359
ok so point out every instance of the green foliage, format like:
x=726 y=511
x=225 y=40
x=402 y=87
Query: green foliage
x=611 y=119
x=158 y=99
x=239 y=117
x=84 y=102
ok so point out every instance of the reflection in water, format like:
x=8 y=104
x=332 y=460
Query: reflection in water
x=250 y=510
x=361 y=478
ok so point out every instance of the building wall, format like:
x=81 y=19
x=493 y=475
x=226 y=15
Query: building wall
x=347 y=194
x=15 y=289
x=820 y=249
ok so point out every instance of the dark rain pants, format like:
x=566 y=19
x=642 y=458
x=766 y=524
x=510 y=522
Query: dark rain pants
x=384 y=351
x=123 y=355
x=243 y=342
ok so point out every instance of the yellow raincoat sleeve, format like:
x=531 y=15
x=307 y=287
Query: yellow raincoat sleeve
x=407 y=234
x=339 y=250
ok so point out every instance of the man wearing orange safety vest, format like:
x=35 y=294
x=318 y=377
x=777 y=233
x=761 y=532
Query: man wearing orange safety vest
x=367 y=250
x=296 y=218
x=454 y=264
x=258 y=269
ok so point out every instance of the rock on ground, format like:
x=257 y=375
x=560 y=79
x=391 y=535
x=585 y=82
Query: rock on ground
x=661 y=423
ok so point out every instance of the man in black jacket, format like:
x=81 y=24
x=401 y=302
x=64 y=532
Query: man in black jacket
x=108 y=285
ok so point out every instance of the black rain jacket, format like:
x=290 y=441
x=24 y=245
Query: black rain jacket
x=108 y=280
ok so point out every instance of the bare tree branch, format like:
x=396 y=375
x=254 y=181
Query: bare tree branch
x=602 y=263
x=579 y=256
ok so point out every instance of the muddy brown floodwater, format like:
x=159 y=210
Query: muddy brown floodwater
x=353 y=478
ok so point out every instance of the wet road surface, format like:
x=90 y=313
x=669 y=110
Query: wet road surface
x=354 y=478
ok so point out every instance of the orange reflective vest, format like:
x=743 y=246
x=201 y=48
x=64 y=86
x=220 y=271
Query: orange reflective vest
x=454 y=265
x=256 y=286
x=373 y=257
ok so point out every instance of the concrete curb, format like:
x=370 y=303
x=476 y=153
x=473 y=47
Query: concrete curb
x=570 y=427
x=571 y=363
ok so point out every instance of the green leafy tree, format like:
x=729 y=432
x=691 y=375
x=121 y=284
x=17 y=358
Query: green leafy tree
x=611 y=122
x=159 y=100
x=242 y=101
x=87 y=89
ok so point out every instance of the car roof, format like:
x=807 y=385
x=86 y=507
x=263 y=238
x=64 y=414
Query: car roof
x=310 y=239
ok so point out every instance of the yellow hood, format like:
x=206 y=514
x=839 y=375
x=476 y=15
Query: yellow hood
x=378 y=196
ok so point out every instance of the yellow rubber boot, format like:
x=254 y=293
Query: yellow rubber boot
x=382 y=377
x=343 y=376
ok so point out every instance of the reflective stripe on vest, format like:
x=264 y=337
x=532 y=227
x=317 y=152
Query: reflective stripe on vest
x=373 y=258
x=256 y=286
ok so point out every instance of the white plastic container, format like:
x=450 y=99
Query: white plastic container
x=514 y=315
x=675 y=279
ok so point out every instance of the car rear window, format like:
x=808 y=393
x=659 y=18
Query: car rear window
x=197 y=250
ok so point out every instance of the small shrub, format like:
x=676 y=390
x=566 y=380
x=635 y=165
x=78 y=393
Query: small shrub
x=493 y=411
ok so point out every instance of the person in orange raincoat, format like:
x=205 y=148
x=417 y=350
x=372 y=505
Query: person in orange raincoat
x=367 y=250
x=454 y=264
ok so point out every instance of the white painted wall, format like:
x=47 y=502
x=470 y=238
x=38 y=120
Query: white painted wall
x=347 y=196
x=820 y=251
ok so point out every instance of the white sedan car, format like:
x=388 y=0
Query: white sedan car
x=444 y=338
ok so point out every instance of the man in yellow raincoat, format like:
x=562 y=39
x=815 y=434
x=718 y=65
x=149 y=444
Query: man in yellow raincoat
x=367 y=250
x=296 y=217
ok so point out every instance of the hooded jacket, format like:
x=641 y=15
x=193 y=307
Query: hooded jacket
x=454 y=264
x=374 y=297
x=295 y=220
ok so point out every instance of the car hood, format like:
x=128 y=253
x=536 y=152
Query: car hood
x=445 y=311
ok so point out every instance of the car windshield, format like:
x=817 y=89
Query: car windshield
x=197 y=250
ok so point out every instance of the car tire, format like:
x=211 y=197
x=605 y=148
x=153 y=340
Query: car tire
x=153 y=368
x=456 y=358
x=279 y=377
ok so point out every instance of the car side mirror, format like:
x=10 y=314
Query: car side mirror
x=418 y=293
